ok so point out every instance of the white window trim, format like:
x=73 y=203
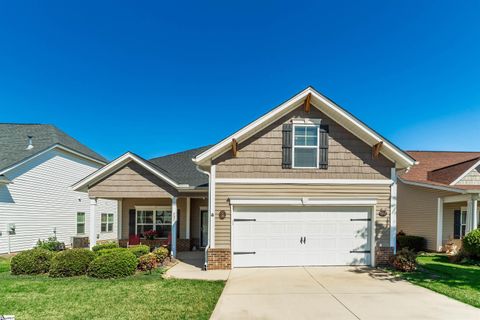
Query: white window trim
x=152 y=208
x=107 y=223
x=84 y=223
x=305 y=147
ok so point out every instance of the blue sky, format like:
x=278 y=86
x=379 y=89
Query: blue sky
x=155 y=78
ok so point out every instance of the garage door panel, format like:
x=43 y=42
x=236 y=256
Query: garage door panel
x=272 y=236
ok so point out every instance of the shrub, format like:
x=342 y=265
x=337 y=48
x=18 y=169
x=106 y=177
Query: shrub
x=414 y=243
x=161 y=254
x=115 y=264
x=106 y=245
x=34 y=261
x=69 y=263
x=147 y=262
x=51 y=244
x=405 y=260
x=471 y=243
x=139 y=250
x=107 y=251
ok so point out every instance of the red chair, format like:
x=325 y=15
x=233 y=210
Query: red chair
x=133 y=240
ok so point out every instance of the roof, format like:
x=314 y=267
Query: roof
x=180 y=167
x=325 y=105
x=441 y=168
x=14 y=142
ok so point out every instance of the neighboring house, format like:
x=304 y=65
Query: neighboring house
x=38 y=165
x=438 y=198
x=305 y=184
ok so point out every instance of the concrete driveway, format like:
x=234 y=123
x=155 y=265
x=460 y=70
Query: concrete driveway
x=331 y=293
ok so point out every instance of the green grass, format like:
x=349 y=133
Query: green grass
x=142 y=296
x=4 y=264
x=460 y=282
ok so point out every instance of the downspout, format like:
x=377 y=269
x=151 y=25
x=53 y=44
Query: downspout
x=209 y=218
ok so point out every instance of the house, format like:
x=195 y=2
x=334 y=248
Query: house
x=38 y=165
x=305 y=184
x=438 y=198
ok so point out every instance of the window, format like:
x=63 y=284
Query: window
x=305 y=146
x=463 y=223
x=107 y=222
x=159 y=220
x=80 y=222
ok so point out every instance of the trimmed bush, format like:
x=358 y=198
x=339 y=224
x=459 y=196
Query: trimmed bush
x=69 y=263
x=405 y=260
x=147 y=262
x=34 y=261
x=414 y=243
x=161 y=253
x=114 y=264
x=51 y=244
x=139 y=250
x=106 y=245
x=471 y=243
x=107 y=251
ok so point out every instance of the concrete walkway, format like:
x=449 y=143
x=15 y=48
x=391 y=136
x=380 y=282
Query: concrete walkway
x=190 y=266
x=331 y=293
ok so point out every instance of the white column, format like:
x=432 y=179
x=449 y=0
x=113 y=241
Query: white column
x=187 y=231
x=439 y=224
x=474 y=214
x=469 y=226
x=174 y=226
x=119 y=218
x=93 y=217
x=393 y=210
x=211 y=216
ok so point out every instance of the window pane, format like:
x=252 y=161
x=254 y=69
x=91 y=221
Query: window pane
x=305 y=157
x=80 y=228
x=110 y=218
x=148 y=217
x=140 y=216
x=142 y=228
x=80 y=217
x=464 y=216
x=104 y=218
x=103 y=227
x=306 y=136
x=110 y=227
x=163 y=230
x=163 y=217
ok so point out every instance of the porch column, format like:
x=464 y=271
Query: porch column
x=187 y=231
x=119 y=218
x=174 y=226
x=92 y=225
x=439 y=224
x=474 y=214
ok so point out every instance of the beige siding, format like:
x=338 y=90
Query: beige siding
x=132 y=181
x=261 y=155
x=448 y=214
x=195 y=206
x=417 y=212
x=225 y=191
x=472 y=178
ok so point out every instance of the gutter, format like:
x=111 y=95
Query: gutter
x=209 y=216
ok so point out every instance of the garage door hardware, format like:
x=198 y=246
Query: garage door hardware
x=359 y=251
x=360 y=219
x=244 y=252
x=243 y=220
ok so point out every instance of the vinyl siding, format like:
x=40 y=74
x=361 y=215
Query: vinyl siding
x=39 y=199
x=472 y=178
x=261 y=155
x=448 y=216
x=417 y=211
x=226 y=191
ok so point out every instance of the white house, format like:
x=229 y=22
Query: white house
x=38 y=165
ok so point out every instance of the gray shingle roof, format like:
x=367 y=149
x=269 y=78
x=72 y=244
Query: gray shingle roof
x=14 y=142
x=180 y=167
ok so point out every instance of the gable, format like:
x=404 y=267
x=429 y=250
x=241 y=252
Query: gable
x=130 y=181
x=471 y=178
x=260 y=156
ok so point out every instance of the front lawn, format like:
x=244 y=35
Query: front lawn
x=142 y=296
x=4 y=264
x=460 y=282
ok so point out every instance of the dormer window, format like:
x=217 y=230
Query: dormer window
x=305 y=146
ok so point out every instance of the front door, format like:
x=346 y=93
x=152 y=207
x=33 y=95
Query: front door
x=203 y=228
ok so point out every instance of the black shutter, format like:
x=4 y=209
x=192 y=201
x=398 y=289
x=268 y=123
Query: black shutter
x=287 y=146
x=456 y=224
x=131 y=222
x=323 y=152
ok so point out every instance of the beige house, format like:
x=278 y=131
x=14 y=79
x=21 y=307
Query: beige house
x=438 y=197
x=305 y=184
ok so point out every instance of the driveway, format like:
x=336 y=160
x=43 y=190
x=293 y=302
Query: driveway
x=331 y=293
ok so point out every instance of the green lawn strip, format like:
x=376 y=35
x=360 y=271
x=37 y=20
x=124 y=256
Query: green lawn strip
x=4 y=264
x=142 y=296
x=460 y=282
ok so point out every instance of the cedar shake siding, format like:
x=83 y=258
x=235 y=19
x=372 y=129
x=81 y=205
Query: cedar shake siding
x=261 y=155
x=132 y=181
x=224 y=191
x=417 y=212
x=472 y=178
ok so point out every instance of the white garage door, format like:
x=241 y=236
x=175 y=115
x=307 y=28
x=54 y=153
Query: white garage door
x=301 y=236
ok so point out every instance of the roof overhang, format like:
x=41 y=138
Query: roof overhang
x=118 y=163
x=325 y=105
x=465 y=173
x=432 y=186
x=4 y=180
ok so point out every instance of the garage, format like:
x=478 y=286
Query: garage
x=268 y=236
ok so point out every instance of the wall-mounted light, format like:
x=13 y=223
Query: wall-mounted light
x=382 y=213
